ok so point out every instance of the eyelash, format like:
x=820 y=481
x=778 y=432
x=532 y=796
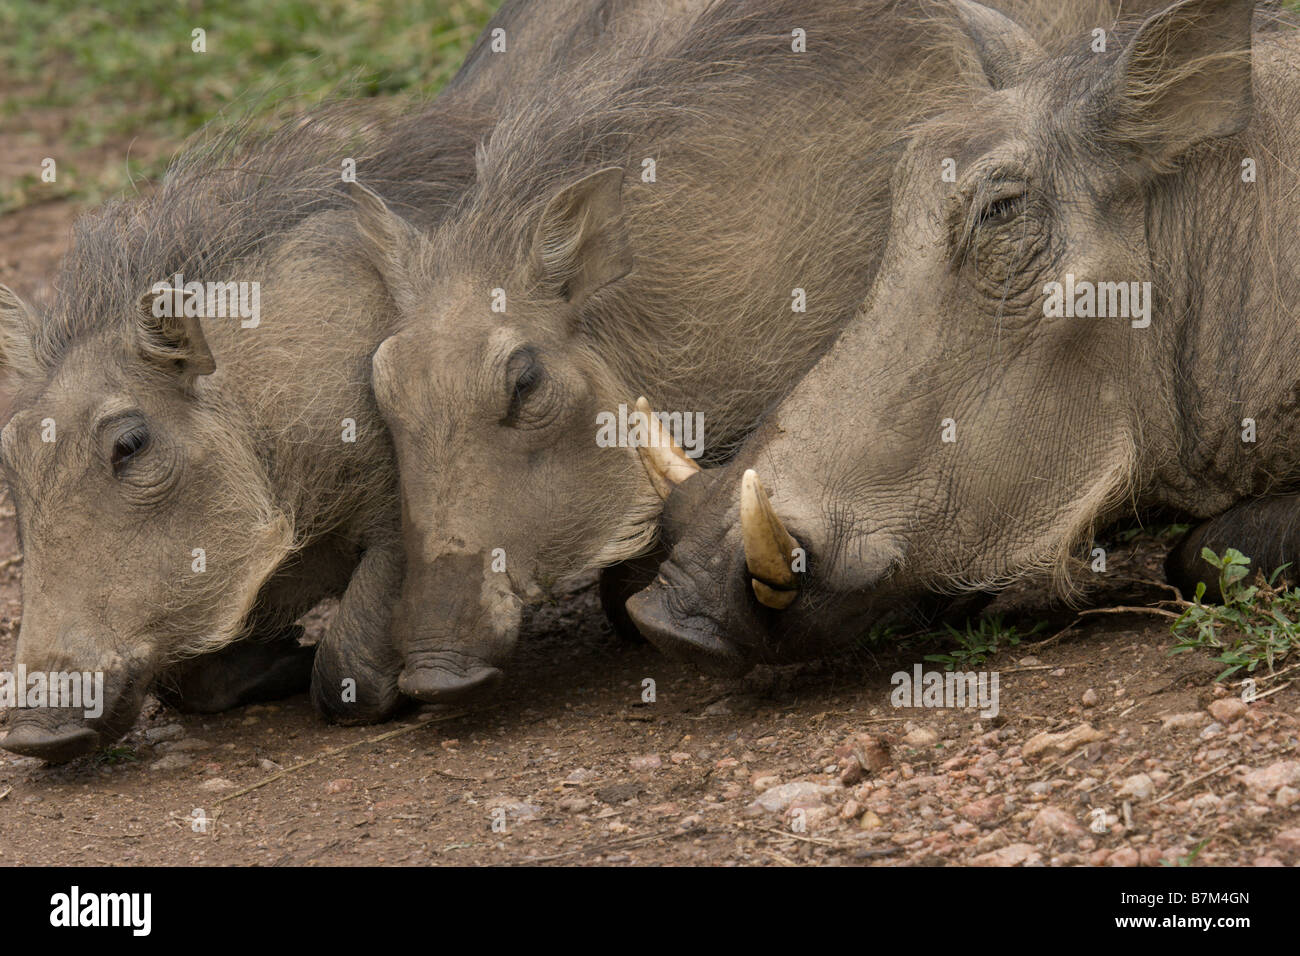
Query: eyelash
x=523 y=385
x=128 y=445
x=991 y=214
x=1000 y=209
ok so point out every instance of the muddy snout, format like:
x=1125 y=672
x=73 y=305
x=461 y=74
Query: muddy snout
x=457 y=621
x=56 y=734
x=685 y=632
x=79 y=712
x=448 y=679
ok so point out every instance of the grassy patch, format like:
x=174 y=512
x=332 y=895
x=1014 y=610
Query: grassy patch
x=1257 y=623
x=116 y=755
x=979 y=640
x=129 y=68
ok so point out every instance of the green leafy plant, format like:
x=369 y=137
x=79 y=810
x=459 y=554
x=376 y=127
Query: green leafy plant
x=979 y=640
x=1257 y=623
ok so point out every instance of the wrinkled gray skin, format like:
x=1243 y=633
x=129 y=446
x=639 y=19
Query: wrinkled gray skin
x=1123 y=167
x=680 y=289
x=175 y=436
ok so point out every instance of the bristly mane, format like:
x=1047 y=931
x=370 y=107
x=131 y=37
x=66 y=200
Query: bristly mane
x=234 y=191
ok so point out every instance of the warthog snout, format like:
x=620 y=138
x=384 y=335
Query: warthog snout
x=451 y=648
x=56 y=734
x=74 y=711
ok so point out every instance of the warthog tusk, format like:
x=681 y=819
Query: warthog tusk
x=768 y=546
x=663 y=459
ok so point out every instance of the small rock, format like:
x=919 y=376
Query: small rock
x=1017 y=854
x=1149 y=856
x=811 y=817
x=646 y=762
x=166 y=732
x=778 y=799
x=859 y=755
x=869 y=821
x=581 y=775
x=764 y=780
x=574 y=803
x=1265 y=780
x=1053 y=822
x=341 y=785
x=516 y=810
x=1188 y=721
x=1058 y=745
x=982 y=811
x=1124 y=856
x=1227 y=709
x=173 y=762
x=1137 y=787
x=921 y=737
x=1288 y=841
x=1089 y=698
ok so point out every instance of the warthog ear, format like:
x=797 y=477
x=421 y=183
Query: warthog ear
x=388 y=239
x=1185 y=78
x=581 y=242
x=1002 y=45
x=17 y=323
x=164 y=334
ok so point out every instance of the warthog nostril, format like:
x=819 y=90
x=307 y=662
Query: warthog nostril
x=438 y=685
x=57 y=746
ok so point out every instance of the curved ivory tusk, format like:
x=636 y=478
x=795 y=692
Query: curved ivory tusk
x=663 y=459
x=768 y=546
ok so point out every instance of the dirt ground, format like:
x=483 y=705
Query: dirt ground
x=798 y=765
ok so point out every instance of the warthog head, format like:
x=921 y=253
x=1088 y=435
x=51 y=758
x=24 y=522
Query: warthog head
x=499 y=397
x=984 y=410
x=143 y=515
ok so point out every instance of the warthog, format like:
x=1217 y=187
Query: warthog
x=745 y=173
x=186 y=489
x=1072 y=330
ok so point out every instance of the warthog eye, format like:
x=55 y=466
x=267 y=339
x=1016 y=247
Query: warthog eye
x=523 y=374
x=1000 y=211
x=129 y=444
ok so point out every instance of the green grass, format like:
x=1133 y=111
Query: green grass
x=116 y=755
x=979 y=640
x=1190 y=858
x=128 y=70
x=1257 y=623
